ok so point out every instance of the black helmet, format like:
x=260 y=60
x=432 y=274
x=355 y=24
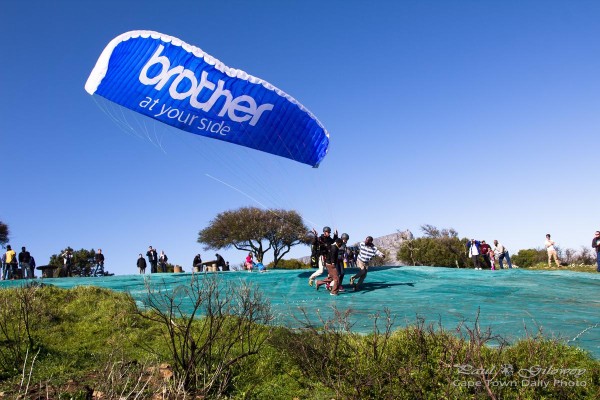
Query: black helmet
x=345 y=236
x=327 y=229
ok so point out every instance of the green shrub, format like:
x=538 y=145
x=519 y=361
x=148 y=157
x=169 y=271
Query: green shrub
x=438 y=252
x=529 y=257
x=289 y=264
x=90 y=339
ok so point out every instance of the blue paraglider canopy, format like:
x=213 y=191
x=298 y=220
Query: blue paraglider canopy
x=162 y=77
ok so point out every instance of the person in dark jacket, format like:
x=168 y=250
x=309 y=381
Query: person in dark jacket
x=322 y=244
x=24 y=260
x=152 y=259
x=197 y=263
x=141 y=264
x=99 y=259
x=220 y=262
x=330 y=262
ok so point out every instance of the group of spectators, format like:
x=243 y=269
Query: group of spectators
x=158 y=262
x=17 y=267
x=480 y=250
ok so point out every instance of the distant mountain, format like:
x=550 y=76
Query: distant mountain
x=390 y=243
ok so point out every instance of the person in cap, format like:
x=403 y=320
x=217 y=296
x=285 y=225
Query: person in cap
x=342 y=256
x=322 y=245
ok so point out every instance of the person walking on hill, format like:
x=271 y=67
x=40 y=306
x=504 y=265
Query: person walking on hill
x=366 y=253
x=596 y=246
x=549 y=243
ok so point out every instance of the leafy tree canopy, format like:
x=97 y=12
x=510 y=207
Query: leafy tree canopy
x=440 y=248
x=4 y=232
x=83 y=262
x=257 y=231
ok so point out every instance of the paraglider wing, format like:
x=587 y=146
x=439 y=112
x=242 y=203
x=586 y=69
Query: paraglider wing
x=173 y=82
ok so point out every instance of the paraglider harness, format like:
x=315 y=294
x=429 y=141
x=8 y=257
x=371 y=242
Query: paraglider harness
x=319 y=248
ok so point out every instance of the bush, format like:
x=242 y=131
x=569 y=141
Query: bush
x=70 y=343
x=289 y=264
x=529 y=257
x=438 y=252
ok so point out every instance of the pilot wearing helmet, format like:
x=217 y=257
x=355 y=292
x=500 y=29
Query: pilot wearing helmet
x=321 y=247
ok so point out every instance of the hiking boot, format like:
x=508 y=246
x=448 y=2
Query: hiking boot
x=352 y=281
x=310 y=282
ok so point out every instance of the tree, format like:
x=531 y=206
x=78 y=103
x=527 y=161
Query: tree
x=82 y=264
x=4 y=232
x=440 y=248
x=257 y=231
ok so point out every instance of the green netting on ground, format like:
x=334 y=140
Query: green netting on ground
x=513 y=303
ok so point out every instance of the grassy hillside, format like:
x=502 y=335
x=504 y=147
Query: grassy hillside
x=88 y=343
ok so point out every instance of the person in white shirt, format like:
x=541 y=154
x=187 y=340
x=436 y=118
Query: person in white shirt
x=502 y=253
x=549 y=243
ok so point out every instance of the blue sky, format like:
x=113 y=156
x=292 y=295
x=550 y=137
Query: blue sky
x=477 y=115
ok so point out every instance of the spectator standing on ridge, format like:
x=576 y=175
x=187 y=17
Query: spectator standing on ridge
x=99 y=259
x=32 y=267
x=68 y=262
x=485 y=249
x=162 y=261
x=473 y=252
x=549 y=243
x=141 y=264
x=10 y=259
x=4 y=267
x=249 y=262
x=596 y=246
x=366 y=251
x=24 y=260
x=152 y=256
x=502 y=253
x=322 y=245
